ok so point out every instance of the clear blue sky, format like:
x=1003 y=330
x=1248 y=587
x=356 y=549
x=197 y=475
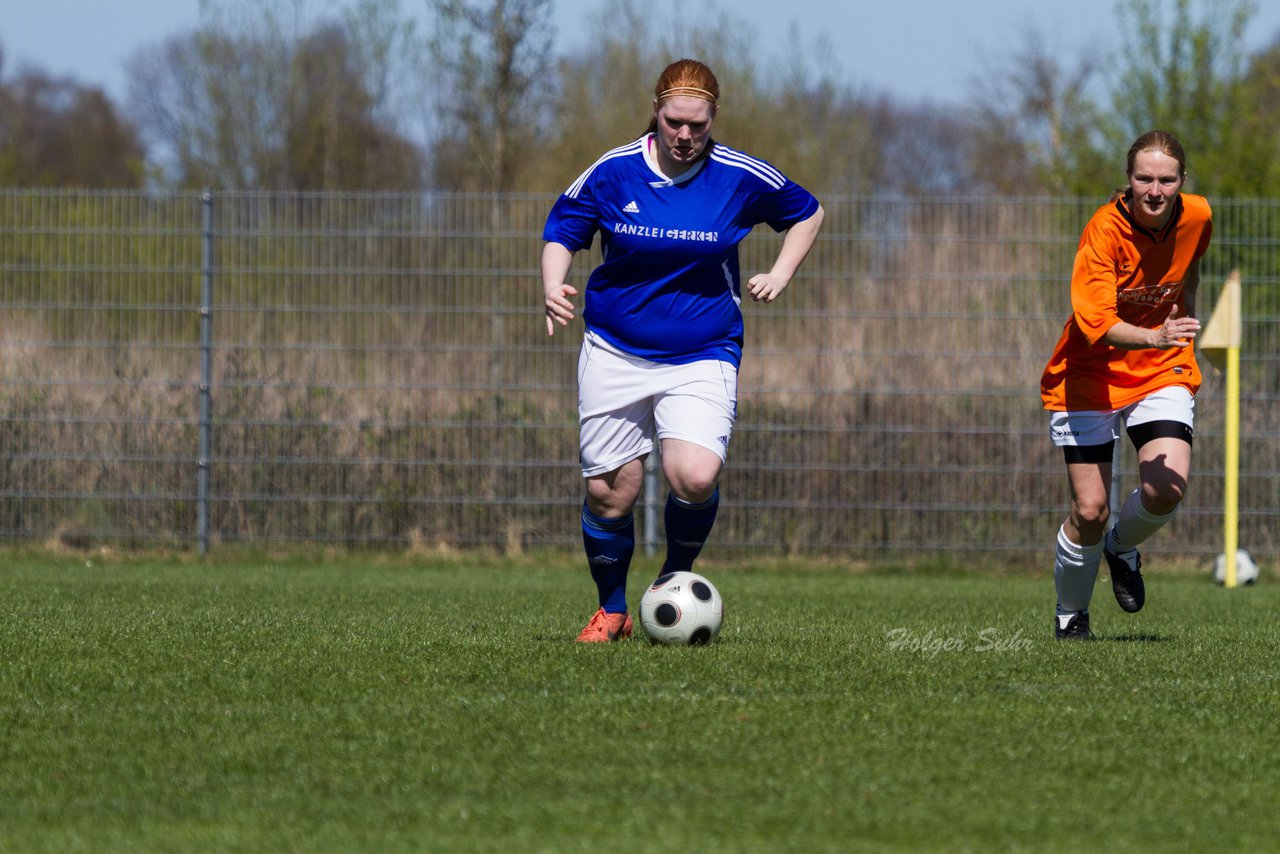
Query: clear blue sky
x=912 y=49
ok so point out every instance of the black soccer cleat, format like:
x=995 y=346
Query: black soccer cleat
x=1126 y=579
x=1077 y=628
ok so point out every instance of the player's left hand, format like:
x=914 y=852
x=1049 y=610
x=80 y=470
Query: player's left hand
x=1178 y=330
x=765 y=287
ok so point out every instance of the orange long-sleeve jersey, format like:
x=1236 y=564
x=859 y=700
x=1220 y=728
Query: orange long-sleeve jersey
x=1125 y=272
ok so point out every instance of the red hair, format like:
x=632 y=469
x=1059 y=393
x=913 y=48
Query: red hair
x=685 y=77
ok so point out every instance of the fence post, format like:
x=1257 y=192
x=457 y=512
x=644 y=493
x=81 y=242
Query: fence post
x=206 y=370
x=651 y=500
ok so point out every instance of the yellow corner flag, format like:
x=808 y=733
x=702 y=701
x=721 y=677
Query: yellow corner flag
x=1220 y=343
x=1222 y=332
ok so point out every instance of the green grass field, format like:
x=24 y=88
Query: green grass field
x=347 y=704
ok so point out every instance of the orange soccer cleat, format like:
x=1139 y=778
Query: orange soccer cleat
x=605 y=627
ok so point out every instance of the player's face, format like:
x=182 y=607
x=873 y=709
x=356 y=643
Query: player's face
x=1156 y=181
x=684 y=126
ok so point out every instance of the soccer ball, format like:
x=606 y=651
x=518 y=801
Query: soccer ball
x=681 y=609
x=1246 y=569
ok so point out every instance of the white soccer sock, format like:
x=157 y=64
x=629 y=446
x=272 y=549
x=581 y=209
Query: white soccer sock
x=1075 y=569
x=1135 y=524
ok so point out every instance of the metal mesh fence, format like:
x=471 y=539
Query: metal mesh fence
x=378 y=375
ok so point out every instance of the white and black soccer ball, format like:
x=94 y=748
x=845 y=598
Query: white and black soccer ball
x=681 y=609
x=1246 y=569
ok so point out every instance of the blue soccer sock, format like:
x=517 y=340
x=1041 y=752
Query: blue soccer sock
x=688 y=526
x=609 y=544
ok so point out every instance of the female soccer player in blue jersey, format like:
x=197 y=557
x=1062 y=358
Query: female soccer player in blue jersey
x=663 y=320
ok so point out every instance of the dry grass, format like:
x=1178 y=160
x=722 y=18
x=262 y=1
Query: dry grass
x=397 y=388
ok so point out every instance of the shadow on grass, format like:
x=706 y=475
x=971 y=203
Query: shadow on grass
x=1141 y=637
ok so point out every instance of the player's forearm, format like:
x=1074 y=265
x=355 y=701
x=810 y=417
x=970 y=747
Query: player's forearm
x=556 y=261
x=1178 y=330
x=1127 y=336
x=796 y=245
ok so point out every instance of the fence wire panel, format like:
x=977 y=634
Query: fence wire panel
x=98 y=366
x=378 y=374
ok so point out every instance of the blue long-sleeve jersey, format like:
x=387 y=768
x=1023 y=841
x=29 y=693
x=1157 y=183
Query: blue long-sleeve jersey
x=669 y=289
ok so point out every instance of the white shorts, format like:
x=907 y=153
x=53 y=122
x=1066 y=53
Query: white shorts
x=1098 y=427
x=626 y=403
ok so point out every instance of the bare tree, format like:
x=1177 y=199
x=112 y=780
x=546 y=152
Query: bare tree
x=258 y=97
x=212 y=104
x=802 y=116
x=393 y=62
x=493 y=60
x=332 y=138
x=1036 y=127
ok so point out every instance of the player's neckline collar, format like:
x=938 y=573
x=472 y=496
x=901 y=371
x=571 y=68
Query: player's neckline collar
x=651 y=158
x=1125 y=205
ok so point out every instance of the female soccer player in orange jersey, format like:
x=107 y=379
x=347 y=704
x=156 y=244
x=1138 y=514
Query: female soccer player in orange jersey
x=1125 y=359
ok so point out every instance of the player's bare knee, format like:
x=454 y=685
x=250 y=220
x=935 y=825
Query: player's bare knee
x=1091 y=521
x=693 y=485
x=609 y=506
x=1160 y=499
x=698 y=495
x=611 y=497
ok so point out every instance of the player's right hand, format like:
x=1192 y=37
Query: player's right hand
x=558 y=305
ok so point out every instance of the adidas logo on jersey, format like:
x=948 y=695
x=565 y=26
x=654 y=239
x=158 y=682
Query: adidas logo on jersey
x=631 y=207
